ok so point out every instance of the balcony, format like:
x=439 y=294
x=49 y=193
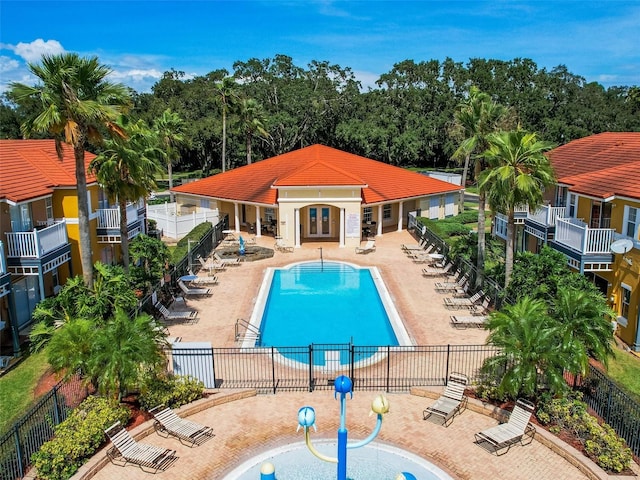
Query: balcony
x=542 y=222
x=38 y=243
x=109 y=223
x=39 y=251
x=588 y=249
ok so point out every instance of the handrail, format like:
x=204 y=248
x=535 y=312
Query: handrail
x=250 y=331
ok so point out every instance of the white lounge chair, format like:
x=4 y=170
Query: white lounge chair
x=468 y=321
x=414 y=248
x=168 y=423
x=226 y=261
x=210 y=280
x=211 y=266
x=435 y=271
x=452 y=401
x=125 y=449
x=516 y=430
x=196 y=292
x=171 y=315
x=281 y=246
x=451 y=286
x=370 y=246
x=468 y=303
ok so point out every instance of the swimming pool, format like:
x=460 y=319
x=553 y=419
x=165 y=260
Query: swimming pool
x=375 y=461
x=325 y=303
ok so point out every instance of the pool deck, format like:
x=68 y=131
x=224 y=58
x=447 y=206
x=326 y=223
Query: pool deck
x=246 y=424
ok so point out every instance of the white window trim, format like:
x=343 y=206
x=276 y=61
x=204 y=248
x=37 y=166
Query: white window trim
x=625 y=220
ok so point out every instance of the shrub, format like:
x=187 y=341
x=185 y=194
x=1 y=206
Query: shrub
x=600 y=441
x=195 y=235
x=77 y=438
x=468 y=216
x=171 y=391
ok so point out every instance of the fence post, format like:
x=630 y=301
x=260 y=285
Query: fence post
x=388 y=366
x=273 y=369
x=447 y=367
x=609 y=397
x=19 y=451
x=213 y=367
x=56 y=407
x=311 y=367
x=351 y=362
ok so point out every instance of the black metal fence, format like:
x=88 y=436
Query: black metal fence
x=613 y=405
x=36 y=427
x=314 y=367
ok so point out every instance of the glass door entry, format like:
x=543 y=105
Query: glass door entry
x=319 y=222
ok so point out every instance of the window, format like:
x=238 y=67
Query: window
x=386 y=211
x=367 y=214
x=48 y=205
x=268 y=215
x=631 y=222
x=572 y=205
x=561 y=196
x=204 y=203
x=626 y=301
x=21 y=217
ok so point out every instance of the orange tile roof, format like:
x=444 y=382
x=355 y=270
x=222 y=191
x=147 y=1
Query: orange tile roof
x=31 y=169
x=316 y=165
x=602 y=165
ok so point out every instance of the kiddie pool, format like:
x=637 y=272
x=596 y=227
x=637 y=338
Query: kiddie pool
x=375 y=461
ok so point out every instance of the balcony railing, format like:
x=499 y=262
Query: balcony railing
x=547 y=215
x=109 y=218
x=37 y=243
x=577 y=235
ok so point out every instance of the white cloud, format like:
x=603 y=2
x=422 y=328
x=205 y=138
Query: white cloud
x=33 y=51
x=135 y=74
x=8 y=64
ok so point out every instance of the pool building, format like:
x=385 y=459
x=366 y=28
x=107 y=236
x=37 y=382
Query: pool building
x=319 y=193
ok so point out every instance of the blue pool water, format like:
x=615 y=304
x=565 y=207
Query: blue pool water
x=332 y=303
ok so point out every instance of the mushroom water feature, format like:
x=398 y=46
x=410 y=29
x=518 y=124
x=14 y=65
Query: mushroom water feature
x=307 y=419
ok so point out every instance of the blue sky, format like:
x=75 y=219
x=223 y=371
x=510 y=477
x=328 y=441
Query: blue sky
x=598 y=40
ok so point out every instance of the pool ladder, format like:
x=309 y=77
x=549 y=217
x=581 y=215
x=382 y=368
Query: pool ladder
x=250 y=331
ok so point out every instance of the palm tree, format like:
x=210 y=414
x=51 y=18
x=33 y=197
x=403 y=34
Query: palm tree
x=530 y=354
x=475 y=119
x=585 y=320
x=70 y=346
x=252 y=119
x=126 y=170
x=225 y=92
x=124 y=351
x=170 y=130
x=518 y=173
x=77 y=104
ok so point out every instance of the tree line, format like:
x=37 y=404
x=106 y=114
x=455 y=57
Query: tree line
x=271 y=106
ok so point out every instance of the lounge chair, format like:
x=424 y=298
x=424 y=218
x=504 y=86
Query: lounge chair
x=481 y=310
x=281 y=246
x=468 y=321
x=452 y=401
x=196 y=292
x=212 y=266
x=468 y=303
x=435 y=271
x=226 y=261
x=516 y=430
x=126 y=449
x=370 y=246
x=419 y=253
x=210 y=280
x=413 y=248
x=168 y=423
x=459 y=284
x=171 y=315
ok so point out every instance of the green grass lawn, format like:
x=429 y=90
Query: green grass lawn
x=625 y=370
x=16 y=388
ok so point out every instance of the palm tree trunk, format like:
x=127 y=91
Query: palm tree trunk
x=248 y=149
x=124 y=235
x=508 y=262
x=86 y=257
x=224 y=141
x=465 y=170
x=170 y=172
x=481 y=240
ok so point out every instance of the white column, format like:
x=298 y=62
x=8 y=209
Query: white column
x=400 y=216
x=236 y=212
x=380 y=210
x=342 y=228
x=258 y=222
x=296 y=226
